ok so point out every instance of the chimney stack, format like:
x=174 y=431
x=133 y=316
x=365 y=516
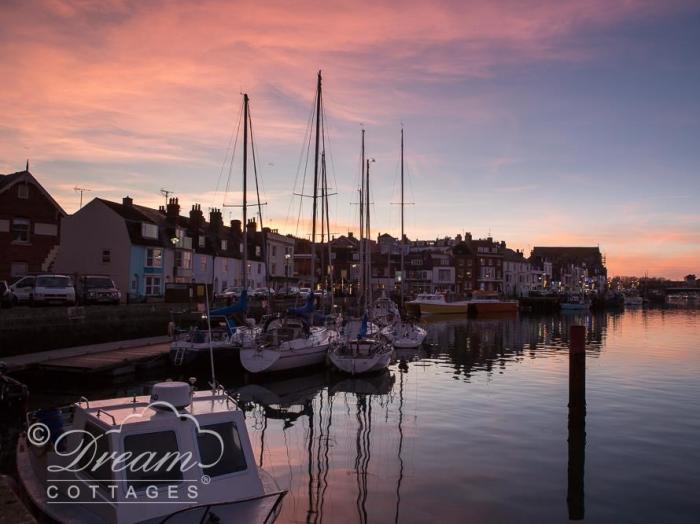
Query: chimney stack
x=236 y=227
x=172 y=211
x=252 y=226
x=127 y=201
x=216 y=223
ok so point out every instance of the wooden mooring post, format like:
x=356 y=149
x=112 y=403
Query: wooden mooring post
x=577 y=422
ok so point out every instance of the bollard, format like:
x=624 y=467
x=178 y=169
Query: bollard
x=577 y=422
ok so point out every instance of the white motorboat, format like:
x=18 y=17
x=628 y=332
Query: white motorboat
x=436 y=303
x=178 y=456
x=404 y=334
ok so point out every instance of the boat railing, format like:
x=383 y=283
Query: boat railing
x=185 y=515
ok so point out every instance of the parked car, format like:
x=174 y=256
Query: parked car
x=288 y=292
x=22 y=289
x=53 y=289
x=97 y=289
x=6 y=297
x=233 y=292
x=304 y=292
x=263 y=292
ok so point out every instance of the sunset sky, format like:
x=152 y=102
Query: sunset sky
x=543 y=123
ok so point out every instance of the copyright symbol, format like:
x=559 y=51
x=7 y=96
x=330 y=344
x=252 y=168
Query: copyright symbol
x=38 y=434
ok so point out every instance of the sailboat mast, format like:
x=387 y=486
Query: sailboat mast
x=368 y=254
x=244 y=272
x=315 y=198
x=361 y=264
x=403 y=277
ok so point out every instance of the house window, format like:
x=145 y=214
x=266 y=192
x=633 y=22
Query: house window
x=23 y=191
x=273 y=269
x=224 y=245
x=149 y=230
x=203 y=263
x=154 y=257
x=20 y=230
x=183 y=259
x=259 y=268
x=152 y=286
x=106 y=256
x=201 y=241
x=274 y=251
x=257 y=251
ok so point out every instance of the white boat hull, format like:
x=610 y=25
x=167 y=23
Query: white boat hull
x=297 y=353
x=361 y=360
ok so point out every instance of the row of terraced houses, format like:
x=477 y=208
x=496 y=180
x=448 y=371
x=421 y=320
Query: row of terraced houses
x=144 y=249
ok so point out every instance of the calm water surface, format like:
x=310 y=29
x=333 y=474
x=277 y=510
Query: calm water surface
x=474 y=428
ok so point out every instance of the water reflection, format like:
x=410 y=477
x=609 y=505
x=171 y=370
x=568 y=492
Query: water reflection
x=483 y=424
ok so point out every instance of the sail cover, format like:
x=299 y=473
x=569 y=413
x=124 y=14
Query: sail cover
x=239 y=306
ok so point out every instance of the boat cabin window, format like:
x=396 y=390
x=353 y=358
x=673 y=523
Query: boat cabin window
x=91 y=463
x=160 y=462
x=231 y=460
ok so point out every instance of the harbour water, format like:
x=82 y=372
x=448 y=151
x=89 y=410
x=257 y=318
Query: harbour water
x=475 y=427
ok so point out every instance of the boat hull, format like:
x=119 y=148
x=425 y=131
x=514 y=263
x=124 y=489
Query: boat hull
x=359 y=365
x=454 y=308
x=493 y=307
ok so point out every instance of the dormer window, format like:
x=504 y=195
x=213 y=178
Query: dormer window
x=149 y=230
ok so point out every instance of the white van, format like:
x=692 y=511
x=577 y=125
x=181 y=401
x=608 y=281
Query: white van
x=53 y=289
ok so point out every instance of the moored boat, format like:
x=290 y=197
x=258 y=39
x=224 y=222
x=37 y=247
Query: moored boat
x=177 y=456
x=435 y=304
x=486 y=303
x=574 y=302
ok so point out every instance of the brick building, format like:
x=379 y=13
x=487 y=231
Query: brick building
x=30 y=225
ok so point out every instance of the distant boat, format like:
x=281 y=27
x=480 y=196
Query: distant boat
x=485 y=303
x=574 y=302
x=384 y=311
x=435 y=304
x=633 y=301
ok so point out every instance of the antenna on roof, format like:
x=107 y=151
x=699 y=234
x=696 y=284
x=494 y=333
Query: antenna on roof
x=27 y=168
x=166 y=193
x=79 y=190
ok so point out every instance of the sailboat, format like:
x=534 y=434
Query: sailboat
x=403 y=333
x=191 y=348
x=362 y=350
x=292 y=341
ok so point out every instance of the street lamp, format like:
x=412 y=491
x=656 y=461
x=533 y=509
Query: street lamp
x=174 y=241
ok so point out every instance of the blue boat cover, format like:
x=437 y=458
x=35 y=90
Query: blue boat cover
x=363 y=328
x=306 y=310
x=239 y=306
